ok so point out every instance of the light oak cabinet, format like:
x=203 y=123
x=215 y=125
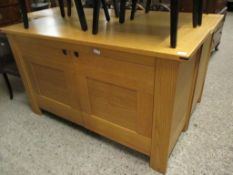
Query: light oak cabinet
x=126 y=85
x=94 y=87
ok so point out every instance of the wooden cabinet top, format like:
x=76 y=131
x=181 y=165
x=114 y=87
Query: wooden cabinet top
x=148 y=34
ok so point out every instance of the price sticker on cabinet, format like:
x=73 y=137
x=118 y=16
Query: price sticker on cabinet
x=96 y=51
x=182 y=53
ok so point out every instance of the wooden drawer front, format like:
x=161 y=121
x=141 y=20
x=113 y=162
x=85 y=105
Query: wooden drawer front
x=45 y=50
x=117 y=97
x=9 y=14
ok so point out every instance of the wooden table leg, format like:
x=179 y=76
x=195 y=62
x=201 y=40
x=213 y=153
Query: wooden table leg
x=134 y=4
x=148 y=3
x=200 y=11
x=61 y=5
x=24 y=13
x=96 y=16
x=195 y=13
x=174 y=22
x=69 y=8
x=81 y=14
x=122 y=11
x=116 y=8
x=105 y=10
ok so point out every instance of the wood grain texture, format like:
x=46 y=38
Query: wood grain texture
x=51 y=75
x=201 y=71
x=118 y=96
x=174 y=86
x=124 y=83
x=164 y=99
x=183 y=100
x=144 y=35
x=24 y=74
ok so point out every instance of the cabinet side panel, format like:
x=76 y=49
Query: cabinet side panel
x=166 y=74
x=24 y=74
x=204 y=60
x=184 y=91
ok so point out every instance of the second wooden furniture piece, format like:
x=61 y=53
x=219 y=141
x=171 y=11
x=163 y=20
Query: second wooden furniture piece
x=9 y=12
x=125 y=83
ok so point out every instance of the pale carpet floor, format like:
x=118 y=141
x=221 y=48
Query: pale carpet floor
x=32 y=145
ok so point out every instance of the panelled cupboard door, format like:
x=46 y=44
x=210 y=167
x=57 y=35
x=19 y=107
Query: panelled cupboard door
x=116 y=99
x=52 y=74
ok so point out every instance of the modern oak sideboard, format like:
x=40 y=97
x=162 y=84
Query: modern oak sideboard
x=125 y=83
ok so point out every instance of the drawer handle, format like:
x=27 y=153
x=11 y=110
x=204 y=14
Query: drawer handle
x=76 y=54
x=64 y=51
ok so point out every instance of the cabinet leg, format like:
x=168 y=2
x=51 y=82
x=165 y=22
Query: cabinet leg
x=116 y=8
x=105 y=10
x=148 y=3
x=81 y=14
x=174 y=22
x=200 y=11
x=122 y=11
x=69 y=8
x=159 y=165
x=61 y=6
x=22 y=5
x=133 y=10
x=163 y=113
x=195 y=13
x=96 y=16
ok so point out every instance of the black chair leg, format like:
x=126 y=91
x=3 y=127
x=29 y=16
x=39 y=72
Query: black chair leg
x=96 y=12
x=81 y=14
x=116 y=8
x=195 y=13
x=105 y=10
x=69 y=6
x=200 y=12
x=61 y=6
x=8 y=85
x=122 y=11
x=134 y=4
x=174 y=22
x=23 y=9
x=148 y=3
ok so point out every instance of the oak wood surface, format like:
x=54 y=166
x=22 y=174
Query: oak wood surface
x=127 y=86
x=148 y=34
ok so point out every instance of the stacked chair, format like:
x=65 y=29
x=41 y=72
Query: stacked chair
x=174 y=13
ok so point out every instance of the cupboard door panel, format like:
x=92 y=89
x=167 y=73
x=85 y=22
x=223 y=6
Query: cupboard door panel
x=118 y=97
x=112 y=103
x=54 y=84
x=51 y=83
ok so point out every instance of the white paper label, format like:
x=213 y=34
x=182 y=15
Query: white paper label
x=182 y=53
x=96 y=51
